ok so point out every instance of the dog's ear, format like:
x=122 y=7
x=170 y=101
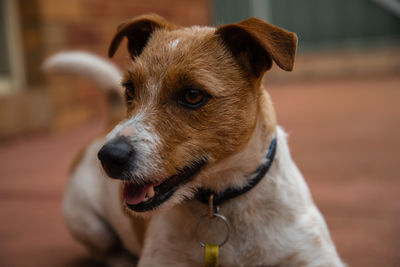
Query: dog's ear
x=138 y=30
x=256 y=43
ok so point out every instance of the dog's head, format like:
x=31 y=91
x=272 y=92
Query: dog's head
x=193 y=99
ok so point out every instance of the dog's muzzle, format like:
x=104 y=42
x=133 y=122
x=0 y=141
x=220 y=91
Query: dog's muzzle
x=116 y=157
x=118 y=160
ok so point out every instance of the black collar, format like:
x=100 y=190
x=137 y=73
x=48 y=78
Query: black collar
x=203 y=195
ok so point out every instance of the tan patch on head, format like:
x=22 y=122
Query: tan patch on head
x=170 y=59
x=216 y=130
x=268 y=111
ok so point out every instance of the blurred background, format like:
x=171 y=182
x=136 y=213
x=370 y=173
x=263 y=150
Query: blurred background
x=340 y=107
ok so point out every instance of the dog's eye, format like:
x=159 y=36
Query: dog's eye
x=193 y=98
x=129 y=90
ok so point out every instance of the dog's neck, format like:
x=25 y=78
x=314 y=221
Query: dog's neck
x=206 y=195
x=266 y=200
x=234 y=171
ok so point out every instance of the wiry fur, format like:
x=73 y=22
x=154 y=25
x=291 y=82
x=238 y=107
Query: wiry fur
x=274 y=224
x=145 y=140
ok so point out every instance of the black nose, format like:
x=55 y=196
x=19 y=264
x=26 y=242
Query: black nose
x=116 y=157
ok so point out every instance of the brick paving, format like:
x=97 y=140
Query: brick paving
x=343 y=134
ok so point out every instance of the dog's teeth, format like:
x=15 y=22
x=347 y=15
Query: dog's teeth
x=151 y=192
x=145 y=198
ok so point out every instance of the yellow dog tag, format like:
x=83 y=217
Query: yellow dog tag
x=211 y=255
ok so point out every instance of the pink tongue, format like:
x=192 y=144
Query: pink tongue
x=134 y=194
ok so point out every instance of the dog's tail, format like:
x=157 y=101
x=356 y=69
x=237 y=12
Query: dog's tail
x=102 y=72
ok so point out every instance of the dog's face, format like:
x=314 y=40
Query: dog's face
x=192 y=97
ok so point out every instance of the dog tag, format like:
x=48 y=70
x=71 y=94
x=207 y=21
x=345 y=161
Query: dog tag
x=211 y=255
x=211 y=251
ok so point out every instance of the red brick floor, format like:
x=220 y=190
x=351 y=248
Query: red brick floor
x=344 y=136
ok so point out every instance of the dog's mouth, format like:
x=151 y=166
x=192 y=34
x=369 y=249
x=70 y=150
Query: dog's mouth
x=145 y=197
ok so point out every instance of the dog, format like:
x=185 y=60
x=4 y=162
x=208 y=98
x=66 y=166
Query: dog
x=199 y=144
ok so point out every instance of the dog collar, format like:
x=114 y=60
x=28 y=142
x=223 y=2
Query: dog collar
x=203 y=195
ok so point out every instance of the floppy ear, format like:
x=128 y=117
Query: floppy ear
x=138 y=30
x=256 y=43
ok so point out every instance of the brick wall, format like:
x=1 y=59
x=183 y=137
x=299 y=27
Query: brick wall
x=89 y=24
x=50 y=26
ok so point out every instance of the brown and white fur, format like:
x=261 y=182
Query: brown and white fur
x=274 y=224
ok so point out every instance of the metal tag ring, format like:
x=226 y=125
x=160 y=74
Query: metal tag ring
x=216 y=216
